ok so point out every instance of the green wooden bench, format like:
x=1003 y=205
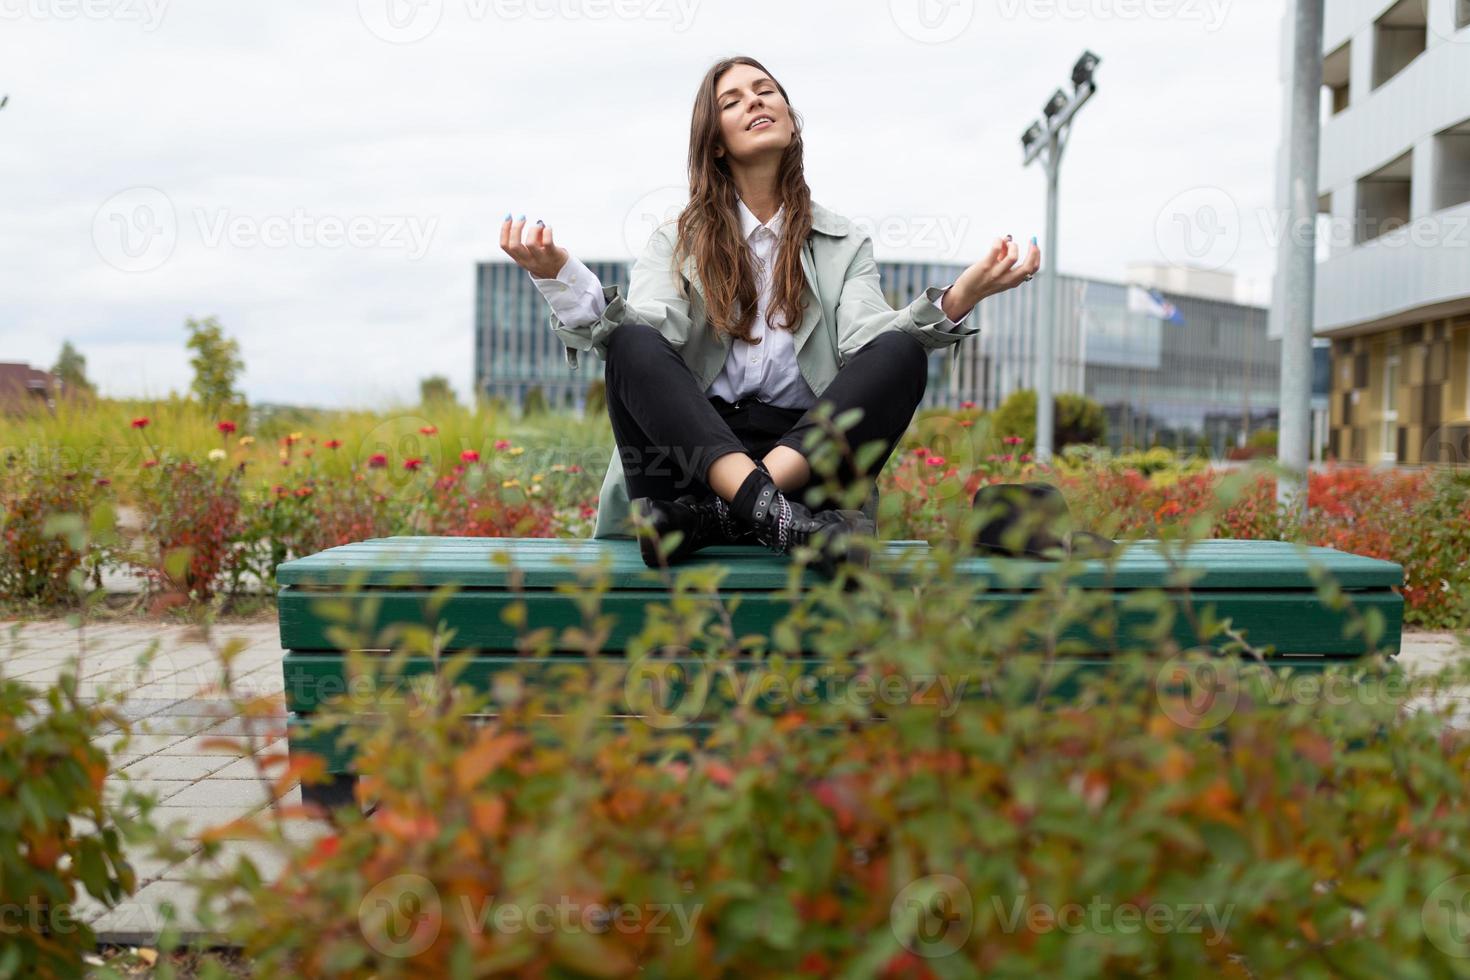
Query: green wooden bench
x=1265 y=587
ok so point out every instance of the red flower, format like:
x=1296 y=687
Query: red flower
x=412 y=463
x=967 y=404
x=303 y=491
x=378 y=460
x=935 y=460
x=103 y=481
x=141 y=422
x=470 y=456
x=1013 y=440
x=502 y=443
x=1169 y=509
x=333 y=443
x=225 y=426
x=921 y=451
x=574 y=468
x=428 y=430
x=148 y=464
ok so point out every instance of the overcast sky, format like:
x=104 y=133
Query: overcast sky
x=323 y=175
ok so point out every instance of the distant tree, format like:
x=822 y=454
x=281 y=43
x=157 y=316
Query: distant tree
x=71 y=370
x=1078 y=419
x=435 y=389
x=217 y=365
x=534 y=402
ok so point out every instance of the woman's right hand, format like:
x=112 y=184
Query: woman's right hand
x=536 y=253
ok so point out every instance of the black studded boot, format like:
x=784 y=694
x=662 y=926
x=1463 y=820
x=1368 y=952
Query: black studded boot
x=701 y=522
x=783 y=525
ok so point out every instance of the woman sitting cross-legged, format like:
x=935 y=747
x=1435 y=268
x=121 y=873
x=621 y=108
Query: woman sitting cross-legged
x=742 y=317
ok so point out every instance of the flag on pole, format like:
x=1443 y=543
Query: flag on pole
x=1151 y=302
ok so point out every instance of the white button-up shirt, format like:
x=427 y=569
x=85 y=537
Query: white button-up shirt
x=766 y=371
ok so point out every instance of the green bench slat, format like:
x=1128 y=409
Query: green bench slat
x=547 y=562
x=312 y=679
x=1294 y=622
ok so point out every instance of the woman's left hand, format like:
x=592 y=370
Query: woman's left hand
x=995 y=273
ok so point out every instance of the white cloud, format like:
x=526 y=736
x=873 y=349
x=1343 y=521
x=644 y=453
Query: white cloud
x=254 y=116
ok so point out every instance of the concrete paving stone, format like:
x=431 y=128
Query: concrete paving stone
x=160 y=790
x=188 y=822
x=269 y=859
x=180 y=725
x=241 y=725
x=232 y=746
x=143 y=918
x=223 y=792
x=117 y=763
x=200 y=707
x=246 y=768
x=136 y=742
x=188 y=768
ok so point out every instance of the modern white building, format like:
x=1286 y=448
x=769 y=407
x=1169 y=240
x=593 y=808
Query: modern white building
x=1393 y=277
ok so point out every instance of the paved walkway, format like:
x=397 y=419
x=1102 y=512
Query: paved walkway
x=177 y=714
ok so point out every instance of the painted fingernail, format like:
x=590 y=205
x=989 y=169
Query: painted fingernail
x=1008 y=238
x=540 y=223
x=1033 y=239
x=507 y=216
x=521 y=218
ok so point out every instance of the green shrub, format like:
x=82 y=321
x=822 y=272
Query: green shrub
x=964 y=817
x=1078 y=419
x=57 y=838
x=191 y=517
x=38 y=561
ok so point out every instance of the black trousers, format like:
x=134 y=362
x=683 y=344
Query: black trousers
x=669 y=432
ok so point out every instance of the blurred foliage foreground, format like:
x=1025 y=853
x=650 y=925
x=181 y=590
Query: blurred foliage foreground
x=934 y=805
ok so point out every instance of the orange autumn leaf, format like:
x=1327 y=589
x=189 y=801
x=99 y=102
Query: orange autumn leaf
x=482 y=758
x=488 y=815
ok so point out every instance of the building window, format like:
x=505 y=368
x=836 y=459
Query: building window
x=1399 y=36
x=1388 y=444
x=1452 y=165
x=1383 y=199
x=1336 y=79
x=1462 y=14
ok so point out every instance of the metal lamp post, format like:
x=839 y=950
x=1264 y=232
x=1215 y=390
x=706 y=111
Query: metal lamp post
x=1045 y=140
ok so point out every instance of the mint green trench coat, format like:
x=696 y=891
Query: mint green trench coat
x=845 y=309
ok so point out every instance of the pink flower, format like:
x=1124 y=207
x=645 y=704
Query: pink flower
x=1025 y=457
x=921 y=451
x=378 y=460
x=470 y=456
x=935 y=460
x=502 y=444
x=1013 y=440
x=412 y=463
x=148 y=464
x=574 y=468
x=225 y=426
x=141 y=422
x=428 y=430
x=967 y=404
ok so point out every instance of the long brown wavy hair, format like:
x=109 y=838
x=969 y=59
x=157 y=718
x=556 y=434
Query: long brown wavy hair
x=709 y=226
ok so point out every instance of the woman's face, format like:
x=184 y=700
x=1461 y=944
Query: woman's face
x=745 y=99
